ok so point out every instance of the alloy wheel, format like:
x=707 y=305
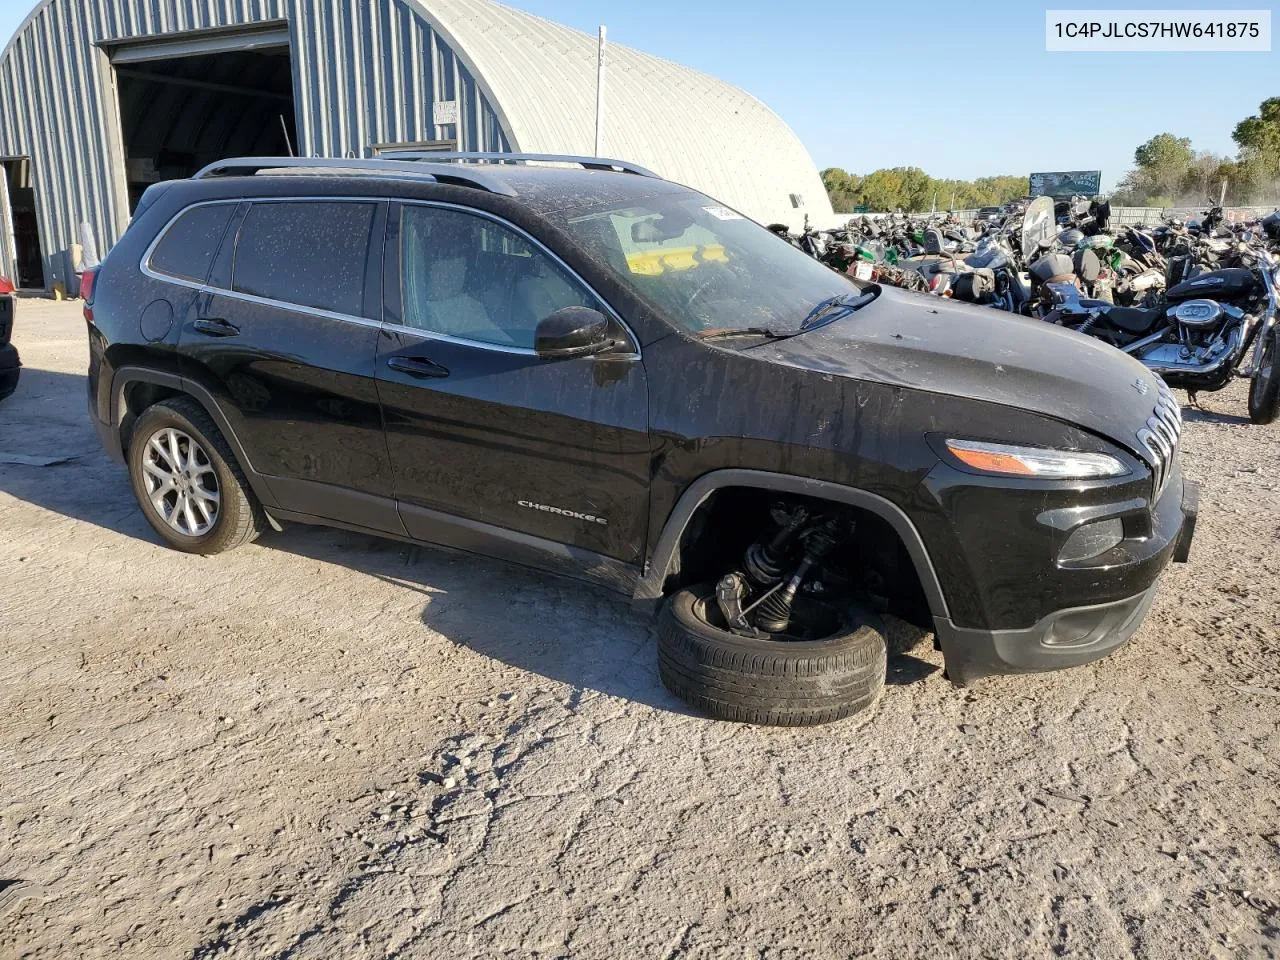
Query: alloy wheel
x=180 y=482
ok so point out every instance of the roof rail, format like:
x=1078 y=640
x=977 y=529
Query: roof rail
x=588 y=163
x=249 y=166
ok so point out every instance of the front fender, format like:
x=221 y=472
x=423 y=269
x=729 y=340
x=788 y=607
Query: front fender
x=649 y=591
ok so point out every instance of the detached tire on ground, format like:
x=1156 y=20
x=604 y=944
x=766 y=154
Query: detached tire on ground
x=790 y=683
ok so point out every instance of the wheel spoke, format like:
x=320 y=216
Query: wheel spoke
x=206 y=495
x=206 y=508
x=162 y=507
x=158 y=472
x=176 y=452
x=157 y=447
x=181 y=524
x=192 y=525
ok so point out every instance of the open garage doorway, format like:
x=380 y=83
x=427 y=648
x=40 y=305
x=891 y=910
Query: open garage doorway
x=187 y=100
x=18 y=219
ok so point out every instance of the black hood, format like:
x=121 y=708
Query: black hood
x=927 y=343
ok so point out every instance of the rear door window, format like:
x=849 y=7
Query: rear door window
x=187 y=248
x=312 y=253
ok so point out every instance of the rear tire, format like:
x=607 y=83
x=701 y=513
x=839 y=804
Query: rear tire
x=8 y=383
x=221 y=511
x=1264 y=388
x=790 y=683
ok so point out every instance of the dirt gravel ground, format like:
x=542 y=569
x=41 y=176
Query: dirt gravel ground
x=327 y=745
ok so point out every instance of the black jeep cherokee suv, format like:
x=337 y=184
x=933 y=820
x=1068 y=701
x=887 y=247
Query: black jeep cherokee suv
x=587 y=369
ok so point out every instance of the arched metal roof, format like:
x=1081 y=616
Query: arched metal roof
x=684 y=125
x=368 y=72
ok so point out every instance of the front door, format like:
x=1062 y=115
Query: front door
x=478 y=426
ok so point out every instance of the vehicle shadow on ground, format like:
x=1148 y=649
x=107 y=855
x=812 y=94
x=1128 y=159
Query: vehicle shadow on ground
x=574 y=633
x=46 y=417
x=571 y=632
x=904 y=670
x=1194 y=414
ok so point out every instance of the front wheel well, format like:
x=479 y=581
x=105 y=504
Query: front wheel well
x=875 y=560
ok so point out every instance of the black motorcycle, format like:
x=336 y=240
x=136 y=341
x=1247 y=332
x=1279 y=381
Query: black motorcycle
x=1217 y=325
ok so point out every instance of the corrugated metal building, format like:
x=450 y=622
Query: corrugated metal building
x=99 y=98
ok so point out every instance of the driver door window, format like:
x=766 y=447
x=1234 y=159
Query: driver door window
x=468 y=277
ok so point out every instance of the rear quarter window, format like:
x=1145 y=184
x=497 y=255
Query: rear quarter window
x=310 y=253
x=188 y=247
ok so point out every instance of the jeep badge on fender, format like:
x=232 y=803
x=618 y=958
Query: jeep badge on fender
x=564 y=513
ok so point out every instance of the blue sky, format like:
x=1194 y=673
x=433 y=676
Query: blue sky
x=961 y=90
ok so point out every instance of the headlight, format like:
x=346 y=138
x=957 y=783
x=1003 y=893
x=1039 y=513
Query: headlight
x=1046 y=464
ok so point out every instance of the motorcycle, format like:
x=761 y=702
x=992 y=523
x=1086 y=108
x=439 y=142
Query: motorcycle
x=1218 y=325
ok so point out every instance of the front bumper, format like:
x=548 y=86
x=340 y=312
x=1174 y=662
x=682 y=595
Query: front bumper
x=1064 y=638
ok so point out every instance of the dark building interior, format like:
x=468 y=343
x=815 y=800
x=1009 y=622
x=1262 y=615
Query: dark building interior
x=26 y=233
x=181 y=113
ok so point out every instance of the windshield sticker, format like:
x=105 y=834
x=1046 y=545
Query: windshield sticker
x=722 y=213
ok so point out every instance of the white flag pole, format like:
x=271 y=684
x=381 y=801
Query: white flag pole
x=600 y=65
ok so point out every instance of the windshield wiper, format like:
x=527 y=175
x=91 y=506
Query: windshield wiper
x=836 y=308
x=722 y=333
x=828 y=311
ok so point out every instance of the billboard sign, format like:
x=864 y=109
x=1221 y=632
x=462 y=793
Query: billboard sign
x=1084 y=183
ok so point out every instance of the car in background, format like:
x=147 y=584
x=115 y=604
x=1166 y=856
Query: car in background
x=10 y=365
x=988 y=214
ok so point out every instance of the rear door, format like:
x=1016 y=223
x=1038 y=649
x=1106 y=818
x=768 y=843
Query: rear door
x=284 y=335
x=478 y=425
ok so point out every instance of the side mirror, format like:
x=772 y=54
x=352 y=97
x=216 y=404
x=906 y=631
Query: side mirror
x=571 y=332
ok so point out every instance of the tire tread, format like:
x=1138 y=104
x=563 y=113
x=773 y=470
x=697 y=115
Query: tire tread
x=730 y=678
x=1264 y=400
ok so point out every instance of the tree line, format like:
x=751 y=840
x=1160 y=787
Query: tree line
x=1167 y=172
x=913 y=190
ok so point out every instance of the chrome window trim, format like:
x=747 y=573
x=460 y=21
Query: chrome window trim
x=144 y=266
x=461 y=341
x=294 y=307
x=634 y=354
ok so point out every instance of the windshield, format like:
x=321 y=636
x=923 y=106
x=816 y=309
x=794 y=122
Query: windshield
x=1037 y=226
x=707 y=267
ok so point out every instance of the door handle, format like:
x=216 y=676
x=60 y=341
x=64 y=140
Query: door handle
x=216 y=327
x=419 y=367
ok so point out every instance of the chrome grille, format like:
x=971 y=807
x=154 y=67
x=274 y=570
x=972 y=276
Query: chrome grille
x=1159 y=437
